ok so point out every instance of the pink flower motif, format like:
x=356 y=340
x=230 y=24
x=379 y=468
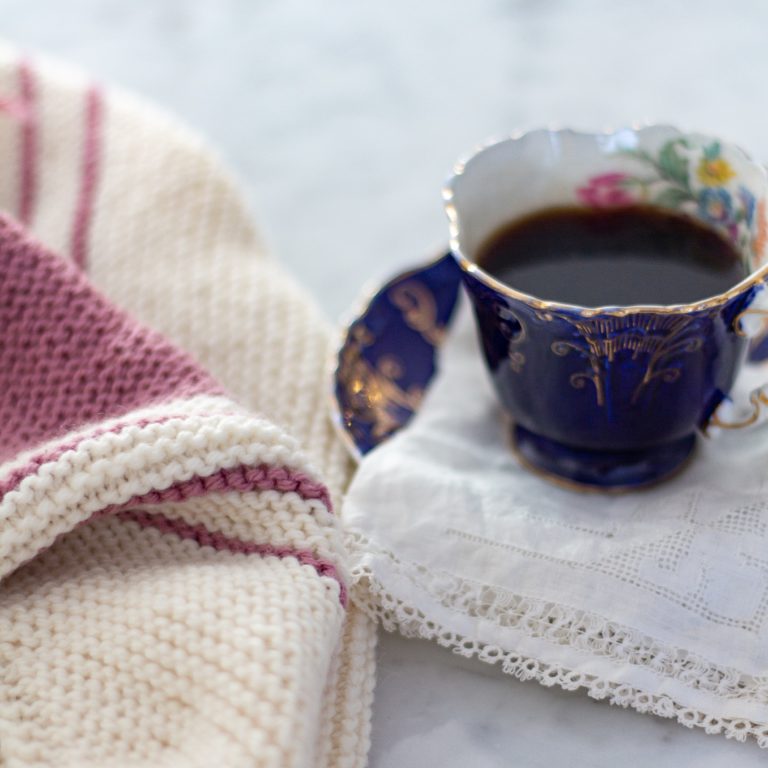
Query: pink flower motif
x=605 y=191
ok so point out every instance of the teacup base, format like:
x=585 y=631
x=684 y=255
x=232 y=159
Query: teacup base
x=609 y=471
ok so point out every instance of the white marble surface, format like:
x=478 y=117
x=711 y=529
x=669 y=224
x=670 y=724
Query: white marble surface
x=437 y=709
x=342 y=119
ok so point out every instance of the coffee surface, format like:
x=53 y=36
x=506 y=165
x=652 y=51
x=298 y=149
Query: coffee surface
x=612 y=256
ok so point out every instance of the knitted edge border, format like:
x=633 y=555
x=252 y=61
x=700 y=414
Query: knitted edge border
x=127 y=459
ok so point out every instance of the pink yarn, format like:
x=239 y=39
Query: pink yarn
x=68 y=357
x=219 y=541
x=29 y=141
x=242 y=479
x=12 y=480
x=91 y=162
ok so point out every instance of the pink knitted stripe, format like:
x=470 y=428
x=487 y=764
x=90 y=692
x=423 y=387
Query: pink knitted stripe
x=69 y=356
x=241 y=478
x=14 y=108
x=13 y=480
x=91 y=161
x=219 y=541
x=29 y=141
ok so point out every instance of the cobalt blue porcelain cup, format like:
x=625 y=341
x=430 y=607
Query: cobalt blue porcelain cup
x=613 y=396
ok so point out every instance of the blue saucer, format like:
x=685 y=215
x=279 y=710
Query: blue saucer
x=388 y=355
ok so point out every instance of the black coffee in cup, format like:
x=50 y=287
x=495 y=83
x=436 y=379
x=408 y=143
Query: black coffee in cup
x=612 y=256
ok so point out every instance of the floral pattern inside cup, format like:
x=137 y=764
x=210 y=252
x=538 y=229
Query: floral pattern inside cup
x=694 y=178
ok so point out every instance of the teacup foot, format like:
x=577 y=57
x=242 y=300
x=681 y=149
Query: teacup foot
x=608 y=471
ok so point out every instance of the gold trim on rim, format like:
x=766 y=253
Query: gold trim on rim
x=468 y=266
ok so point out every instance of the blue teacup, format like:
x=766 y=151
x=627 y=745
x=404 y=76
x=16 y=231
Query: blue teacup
x=612 y=396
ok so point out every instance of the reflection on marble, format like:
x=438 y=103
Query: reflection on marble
x=342 y=119
x=434 y=708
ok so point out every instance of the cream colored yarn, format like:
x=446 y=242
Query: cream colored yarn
x=121 y=645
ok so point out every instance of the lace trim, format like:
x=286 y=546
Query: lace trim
x=561 y=625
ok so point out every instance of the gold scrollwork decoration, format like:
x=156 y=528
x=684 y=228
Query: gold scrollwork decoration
x=665 y=352
x=563 y=348
x=516 y=361
x=757 y=399
x=373 y=391
x=515 y=357
x=578 y=380
x=600 y=340
x=419 y=310
x=738 y=328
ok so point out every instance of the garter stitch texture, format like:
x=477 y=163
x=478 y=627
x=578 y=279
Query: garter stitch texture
x=172 y=579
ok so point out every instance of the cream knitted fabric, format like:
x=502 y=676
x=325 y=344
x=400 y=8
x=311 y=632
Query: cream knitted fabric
x=173 y=583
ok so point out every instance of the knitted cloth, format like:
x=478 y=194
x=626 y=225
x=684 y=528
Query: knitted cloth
x=172 y=582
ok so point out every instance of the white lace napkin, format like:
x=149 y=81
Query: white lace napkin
x=656 y=599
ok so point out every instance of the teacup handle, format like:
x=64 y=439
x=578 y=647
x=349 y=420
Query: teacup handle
x=750 y=323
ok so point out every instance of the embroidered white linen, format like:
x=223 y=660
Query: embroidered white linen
x=656 y=600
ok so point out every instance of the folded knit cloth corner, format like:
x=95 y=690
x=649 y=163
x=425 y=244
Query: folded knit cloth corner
x=173 y=587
